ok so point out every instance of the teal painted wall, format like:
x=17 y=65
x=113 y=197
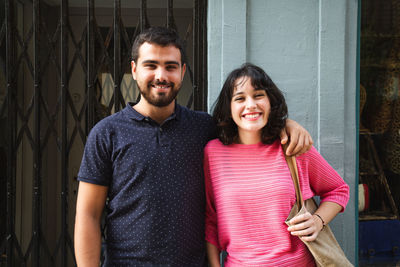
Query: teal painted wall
x=308 y=47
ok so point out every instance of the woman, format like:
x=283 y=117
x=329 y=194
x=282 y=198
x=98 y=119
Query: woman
x=249 y=188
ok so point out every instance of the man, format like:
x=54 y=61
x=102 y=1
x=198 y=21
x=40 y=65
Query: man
x=146 y=161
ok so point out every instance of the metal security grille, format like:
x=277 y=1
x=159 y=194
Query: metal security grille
x=64 y=66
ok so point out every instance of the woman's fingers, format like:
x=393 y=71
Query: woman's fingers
x=304 y=226
x=310 y=237
x=300 y=218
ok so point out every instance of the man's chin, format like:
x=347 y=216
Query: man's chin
x=161 y=102
x=159 y=99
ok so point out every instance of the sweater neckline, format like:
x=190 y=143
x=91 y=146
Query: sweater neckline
x=257 y=145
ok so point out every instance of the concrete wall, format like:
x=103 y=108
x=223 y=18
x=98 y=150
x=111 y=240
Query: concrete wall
x=308 y=47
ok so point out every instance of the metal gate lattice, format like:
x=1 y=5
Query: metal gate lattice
x=64 y=66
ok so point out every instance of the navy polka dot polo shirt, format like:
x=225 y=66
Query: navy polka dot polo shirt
x=155 y=208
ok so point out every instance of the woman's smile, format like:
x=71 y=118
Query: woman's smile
x=252 y=116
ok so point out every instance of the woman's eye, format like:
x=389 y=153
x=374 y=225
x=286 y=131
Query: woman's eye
x=238 y=99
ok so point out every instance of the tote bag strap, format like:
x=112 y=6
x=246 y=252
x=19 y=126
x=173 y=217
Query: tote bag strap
x=291 y=162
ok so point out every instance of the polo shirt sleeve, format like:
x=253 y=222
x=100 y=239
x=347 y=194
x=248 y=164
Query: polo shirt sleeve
x=96 y=166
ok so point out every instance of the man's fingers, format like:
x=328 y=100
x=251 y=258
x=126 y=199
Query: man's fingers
x=300 y=140
x=284 y=137
x=304 y=144
x=304 y=149
x=308 y=142
x=295 y=146
x=292 y=144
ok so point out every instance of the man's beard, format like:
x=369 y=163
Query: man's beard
x=161 y=99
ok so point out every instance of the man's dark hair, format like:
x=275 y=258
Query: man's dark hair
x=160 y=36
x=227 y=128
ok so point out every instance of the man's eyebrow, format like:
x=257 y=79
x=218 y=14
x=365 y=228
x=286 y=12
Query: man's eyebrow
x=172 y=63
x=149 y=61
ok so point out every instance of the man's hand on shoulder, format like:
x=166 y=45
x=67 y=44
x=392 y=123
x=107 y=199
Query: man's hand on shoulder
x=300 y=139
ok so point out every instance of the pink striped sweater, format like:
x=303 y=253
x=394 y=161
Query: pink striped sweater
x=250 y=194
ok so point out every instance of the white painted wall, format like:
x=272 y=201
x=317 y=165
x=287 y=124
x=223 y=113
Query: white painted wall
x=308 y=47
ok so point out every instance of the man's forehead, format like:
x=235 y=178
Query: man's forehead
x=150 y=51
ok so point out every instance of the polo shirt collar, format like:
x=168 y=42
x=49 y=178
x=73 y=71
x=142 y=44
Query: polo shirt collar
x=133 y=114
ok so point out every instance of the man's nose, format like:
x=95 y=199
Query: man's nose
x=161 y=75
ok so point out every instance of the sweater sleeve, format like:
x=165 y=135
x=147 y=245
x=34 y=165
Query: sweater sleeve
x=211 y=227
x=324 y=181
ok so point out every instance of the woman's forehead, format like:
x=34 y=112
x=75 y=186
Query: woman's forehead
x=243 y=83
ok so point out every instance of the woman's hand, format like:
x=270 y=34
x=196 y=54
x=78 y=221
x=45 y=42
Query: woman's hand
x=306 y=226
x=300 y=138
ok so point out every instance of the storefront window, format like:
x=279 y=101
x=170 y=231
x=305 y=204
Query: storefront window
x=379 y=158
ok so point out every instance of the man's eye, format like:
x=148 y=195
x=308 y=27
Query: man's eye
x=171 y=67
x=150 y=66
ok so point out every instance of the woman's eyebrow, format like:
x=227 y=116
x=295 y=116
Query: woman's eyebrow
x=237 y=93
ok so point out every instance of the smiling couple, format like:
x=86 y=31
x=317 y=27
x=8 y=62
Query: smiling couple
x=165 y=201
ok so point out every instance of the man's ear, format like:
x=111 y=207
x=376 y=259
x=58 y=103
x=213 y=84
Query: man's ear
x=183 y=70
x=133 y=68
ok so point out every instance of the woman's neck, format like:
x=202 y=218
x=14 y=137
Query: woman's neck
x=249 y=138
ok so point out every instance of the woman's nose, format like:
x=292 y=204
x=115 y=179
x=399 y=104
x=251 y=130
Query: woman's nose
x=250 y=103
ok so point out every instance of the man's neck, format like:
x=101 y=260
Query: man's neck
x=158 y=114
